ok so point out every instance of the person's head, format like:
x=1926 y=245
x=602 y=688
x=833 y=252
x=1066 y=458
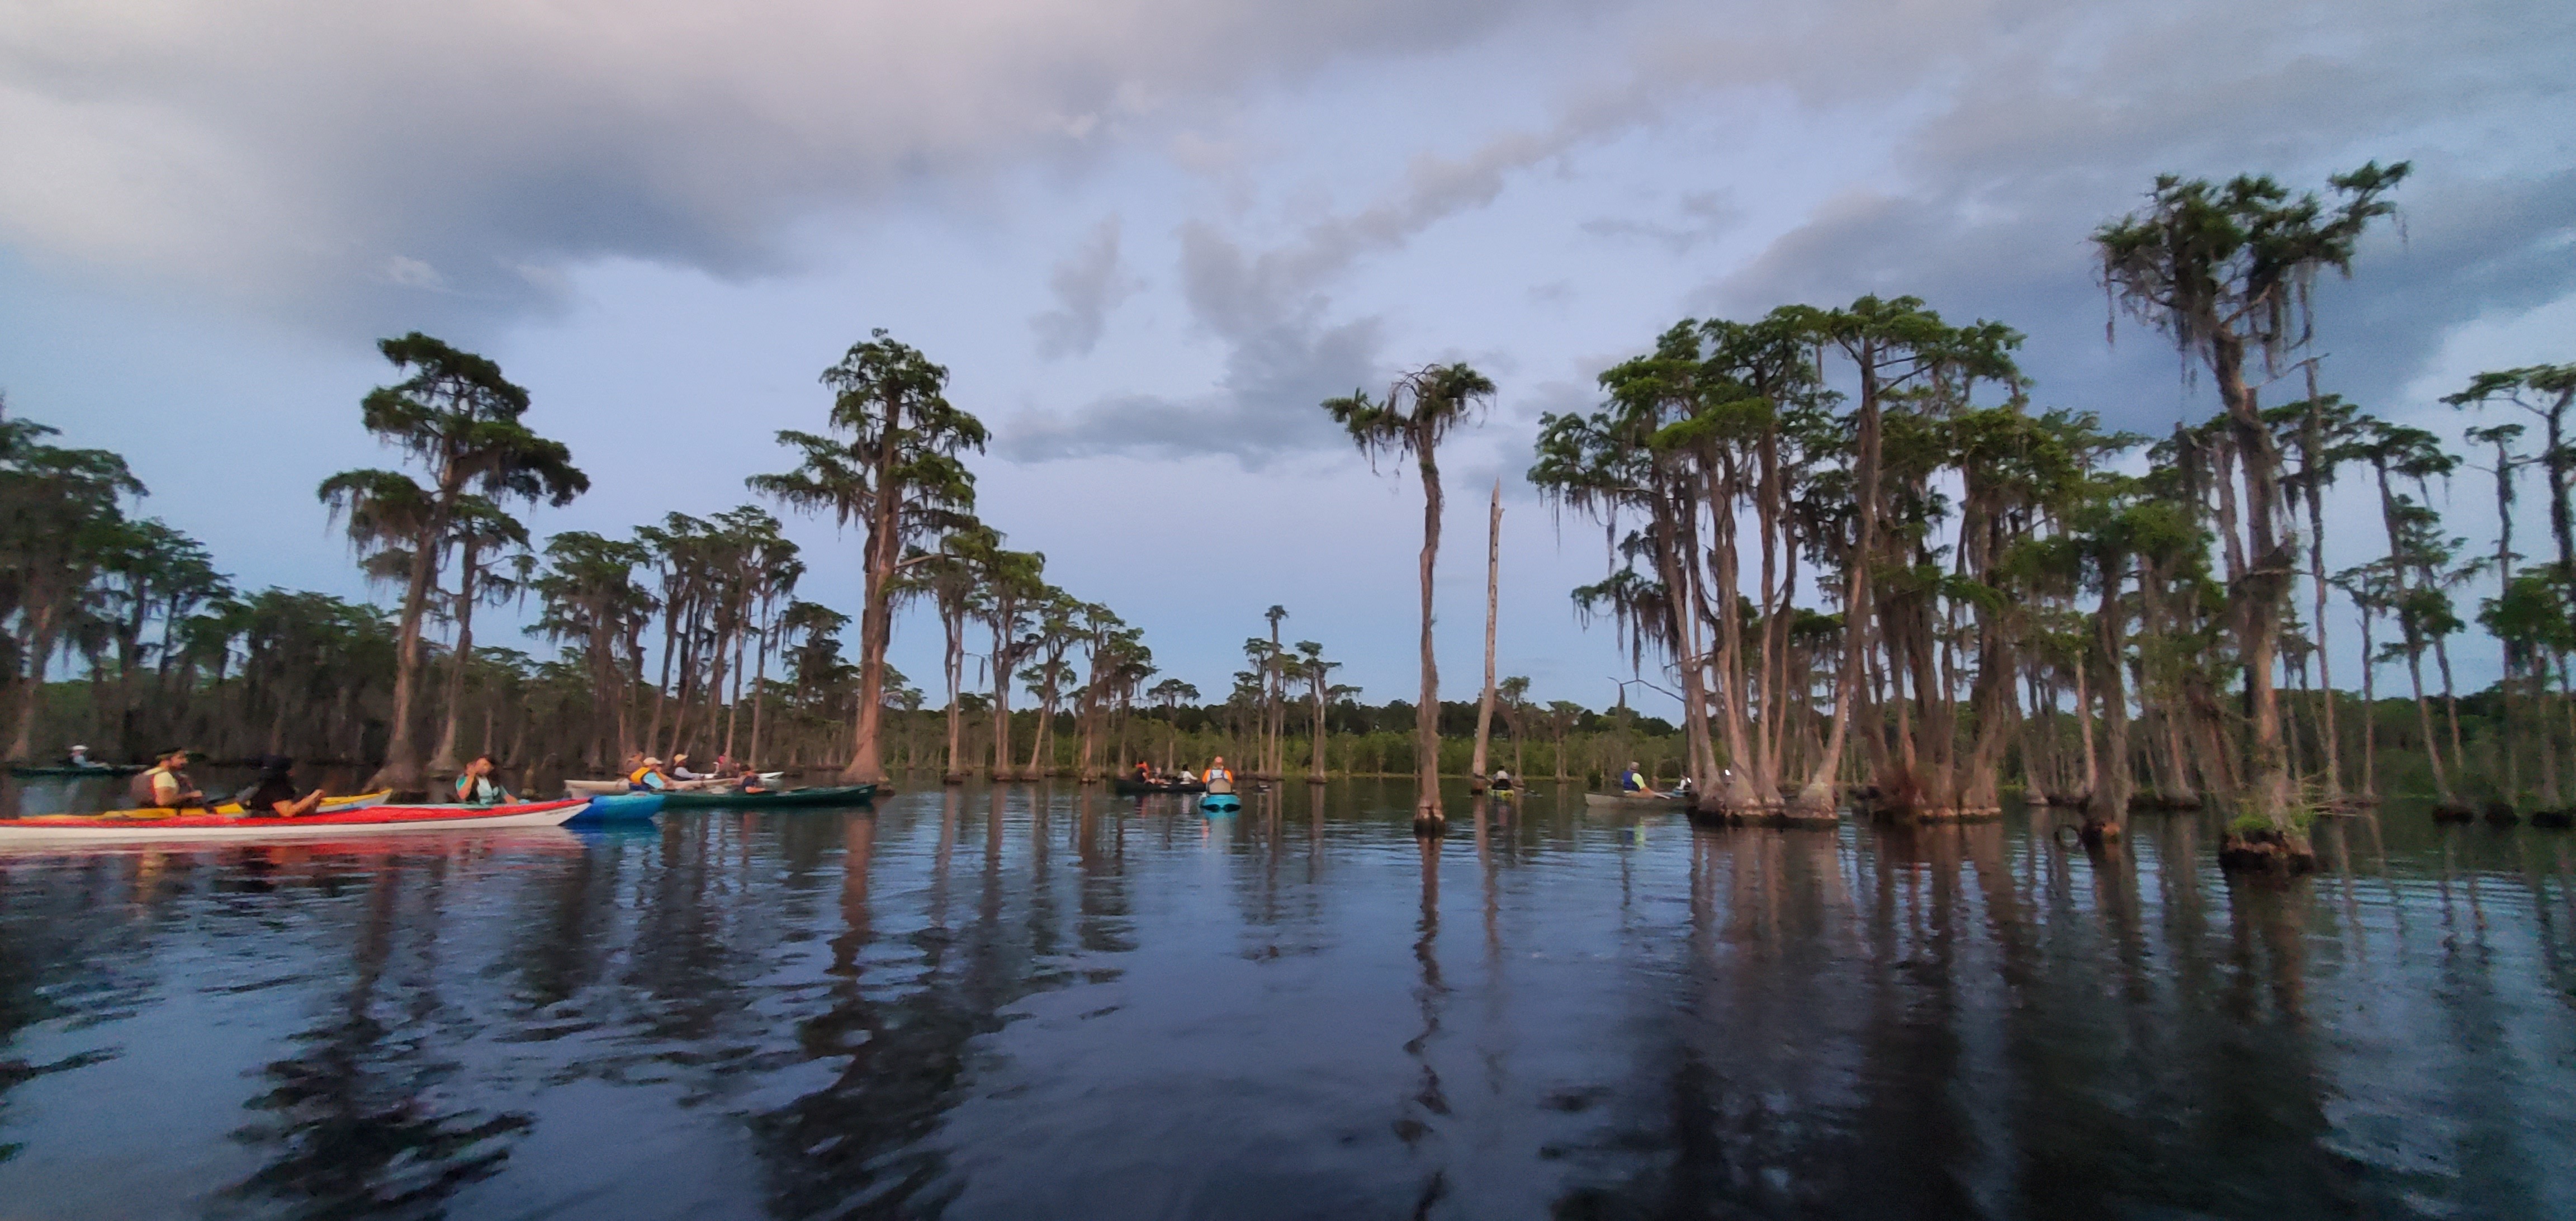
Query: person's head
x=80 y=750
x=275 y=767
x=176 y=756
x=1632 y=765
x=680 y=758
x=481 y=766
x=650 y=761
x=1220 y=762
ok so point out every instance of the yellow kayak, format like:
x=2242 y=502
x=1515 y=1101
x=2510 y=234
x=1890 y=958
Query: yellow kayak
x=330 y=805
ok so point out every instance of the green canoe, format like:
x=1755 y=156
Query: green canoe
x=838 y=795
x=101 y=769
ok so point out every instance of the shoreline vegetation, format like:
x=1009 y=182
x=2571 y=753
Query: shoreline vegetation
x=1869 y=565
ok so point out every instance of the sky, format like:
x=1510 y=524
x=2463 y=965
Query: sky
x=1148 y=237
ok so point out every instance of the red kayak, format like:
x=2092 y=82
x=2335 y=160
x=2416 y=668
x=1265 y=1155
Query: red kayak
x=118 y=829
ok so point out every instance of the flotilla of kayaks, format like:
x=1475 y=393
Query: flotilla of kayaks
x=373 y=812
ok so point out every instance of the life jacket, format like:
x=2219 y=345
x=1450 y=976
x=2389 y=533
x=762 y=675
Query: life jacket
x=637 y=776
x=1215 y=774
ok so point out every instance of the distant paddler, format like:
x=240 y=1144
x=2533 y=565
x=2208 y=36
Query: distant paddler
x=1220 y=779
x=1633 y=781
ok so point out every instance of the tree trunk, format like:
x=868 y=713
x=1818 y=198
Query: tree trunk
x=401 y=771
x=1426 y=718
x=445 y=762
x=1819 y=796
x=1493 y=604
x=2260 y=595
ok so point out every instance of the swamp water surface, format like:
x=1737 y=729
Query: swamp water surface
x=1049 y=1002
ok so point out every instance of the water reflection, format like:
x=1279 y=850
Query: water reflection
x=1047 y=1001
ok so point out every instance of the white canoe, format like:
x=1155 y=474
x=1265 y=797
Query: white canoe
x=96 y=829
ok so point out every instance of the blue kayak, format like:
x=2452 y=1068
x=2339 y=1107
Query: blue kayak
x=1220 y=803
x=621 y=807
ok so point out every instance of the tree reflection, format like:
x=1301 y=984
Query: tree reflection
x=354 y=1121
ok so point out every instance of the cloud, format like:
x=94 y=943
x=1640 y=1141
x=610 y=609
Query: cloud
x=1706 y=215
x=284 y=151
x=1087 y=285
x=1995 y=189
x=1286 y=350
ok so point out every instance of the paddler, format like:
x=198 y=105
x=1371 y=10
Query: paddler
x=475 y=786
x=1220 y=779
x=275 y=793
x=1632 y=780
x=164 y=785
x=649 y=777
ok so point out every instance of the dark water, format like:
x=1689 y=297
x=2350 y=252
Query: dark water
x=1052 y=1003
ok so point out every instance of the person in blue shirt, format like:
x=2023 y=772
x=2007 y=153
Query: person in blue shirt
x=1632 y=780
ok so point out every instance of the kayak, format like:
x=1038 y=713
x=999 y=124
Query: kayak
x=1220 y=803
x=100 y=769
x=621 y=807
x=836 y=795
x=330 y=805
x=1129 y=786
x=108 y=829
x=594 y=788
x=1635 y=801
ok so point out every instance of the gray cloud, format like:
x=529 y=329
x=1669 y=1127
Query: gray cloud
x=1286 y=352
x=2003 y=183
x=328 y=160
x=1087 y=285
x=1705 y=216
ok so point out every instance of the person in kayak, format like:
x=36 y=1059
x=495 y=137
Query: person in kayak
x=80 y=758
x=475 y=786
x=274 y=795
x=1502 y=782
x=680 y=769
x=1220 y=779
x=164 y=785
x=648 y=777
x=1633 y=780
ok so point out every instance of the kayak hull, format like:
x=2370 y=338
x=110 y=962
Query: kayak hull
x=621 y=807
x=834 y=797
x=1625 y=801
x=100 y=829
x=330 y=805
x=1141 y=788
x=596 y=788
x=1220 y=803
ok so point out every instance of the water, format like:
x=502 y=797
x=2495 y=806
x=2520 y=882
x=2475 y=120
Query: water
x=1047 y=1002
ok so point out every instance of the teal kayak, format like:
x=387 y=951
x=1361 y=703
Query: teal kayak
x=1220 y=803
